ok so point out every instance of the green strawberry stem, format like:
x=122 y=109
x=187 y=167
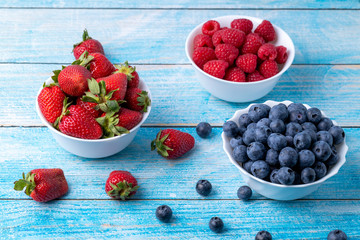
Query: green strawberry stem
x=27 y=182
x=85 y=37
x=159 y=145
x=84 y=60
x=126 y=69
x=64 y=112
x=122 y=190
x=143 y=100
x=108 y=123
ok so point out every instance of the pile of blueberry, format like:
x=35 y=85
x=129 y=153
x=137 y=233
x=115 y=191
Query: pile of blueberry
x=284 y=144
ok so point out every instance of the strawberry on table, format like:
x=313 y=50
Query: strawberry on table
x=131 y=74
x=43 y=185
x=116 y=82
x=50 y=100
x=137 y=99
x=88 y=44
x=121 y=185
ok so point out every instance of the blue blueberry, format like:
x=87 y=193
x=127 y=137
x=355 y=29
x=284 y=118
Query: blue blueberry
x=242 y=129
x=244 y=120
x=203 y=187
x=244 y=193
x=290 y=141
x=256 y=151
x=236 y=141
x=302 y=141
x=325 y=124
x=321 y=150
x=203 y=129
x=279 y=111
x=258 y=111
x=249 y=136
x=306 y=158
x=334 y=157
x=308 y=175
x=324 y=136
x=297 y=180
x=298 y=116
x=272 y=157
x=288 y=157
x=274 y=176
x=262 y=133
x=277 y=126
x=314 y=115
x=292 y=129
x=251 y=126
x=320 y=169
x=163 y=213
x=216 y=224
x=311 y=133
x=263 y=235
x=296 y=106
x=309 y=125
x=230 y=129
x=239 y=154
x=263 y=121
x=286 y=176
x=338 y=134
x=276 y=141
x=260 y=169
x=337 y=235
x=247 y=166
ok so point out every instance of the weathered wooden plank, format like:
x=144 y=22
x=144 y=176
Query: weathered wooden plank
x=158 y=36
x=178 y=98
x=23 y=149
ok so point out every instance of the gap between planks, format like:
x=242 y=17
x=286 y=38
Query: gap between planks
x=184 y=9
x=182 y=199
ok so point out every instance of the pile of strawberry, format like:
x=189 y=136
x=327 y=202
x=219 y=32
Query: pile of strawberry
x=92 y=98
x=237 y=54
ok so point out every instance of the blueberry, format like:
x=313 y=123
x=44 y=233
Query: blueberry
x=309 y=125
x=262 y=133
x=272 y=157
x=320 y=169
x=239 y=154
x=302 y=141
x=203 y=129
x=306 y=158
x=244 y=193
x=334 y=157
x=242 y=129
x=216 y=224
x=276 y=141
x=308 y=175
x=244 y=120
x=256 y=151
x=288 y=157
x=263 y=235
x=292 y=129
x=338 y=134
x=277 y=126
x=290 y=141
x=249 y=136
x=321 y=150
x=258 y=111
x=286 y=176
x=324 y=136
x=311 y=133
x=263 y=121
x=163 y=213
x=296 y=106
x=236 y=141
x=336 y=235
x=297 y=180
x=247 y=166
x=203 y=187
x=251 y=126
x=298 y=116
x=230 y=129
x=260 y=169
x=274 y=176
x=314 y=115
x=279 y=111
x=325 y=124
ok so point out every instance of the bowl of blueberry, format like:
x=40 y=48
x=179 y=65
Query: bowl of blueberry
x=284 y=150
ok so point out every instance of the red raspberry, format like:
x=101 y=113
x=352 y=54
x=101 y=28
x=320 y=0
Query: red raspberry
x=267 y=52
x=266 y=30
x=282 y=55
x=268 y=68
x=254 y=77
x=202 y=55
x=233 y=36
x=202 y=40
x=216 y=68
x=235 y=74
x=216 y=38
x=210 y=27
x=247 y=62
x=226 y=52
x=252 y=43
x=242 y=24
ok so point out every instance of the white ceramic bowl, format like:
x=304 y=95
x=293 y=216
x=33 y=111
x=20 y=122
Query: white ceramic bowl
x=277 y=191
x=98 y=148
x=240 y=91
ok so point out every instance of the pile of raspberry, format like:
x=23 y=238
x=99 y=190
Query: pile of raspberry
x=237 y=54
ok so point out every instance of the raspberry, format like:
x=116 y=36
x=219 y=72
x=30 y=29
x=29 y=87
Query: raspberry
x=267 y=52
x=282 y=55
x=268 y=68
x=235 y=74
x=247 y=62
x=254 y=77
x=252 y=43
x=210 y=27
x=242 y=24
x=226 y=52
x=202 y=55
x=216 y=68
x=216 y=38
x=233 y=36
x=266 y=30
x=202 y=40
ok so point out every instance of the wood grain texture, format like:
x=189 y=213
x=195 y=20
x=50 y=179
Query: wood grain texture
x=158 y=36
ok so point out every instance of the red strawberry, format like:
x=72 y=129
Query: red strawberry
x=233 y=36
x=203 y=55
x=252 y=43
x=129 y=118
x=88 y=106
x=202 y=40
x=266 y=30
x=117 y=82
x=235 y=74
x=247 y=62
x=121 y=185
x=171 y=143
x=254 y=77
x=50 y=102
x=88 y=44
x=242 y=24
x=268 y=68
x=137 y=100
x=216 y=68
x=282 y=55
x=267 y=52
x=73 y=80
x=226 y=52
x=130 y=72
x=43 y=185
x=99 y=66
x=210 y=27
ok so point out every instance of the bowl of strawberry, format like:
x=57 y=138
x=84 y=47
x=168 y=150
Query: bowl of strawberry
x=93 y=108
x=239 y=58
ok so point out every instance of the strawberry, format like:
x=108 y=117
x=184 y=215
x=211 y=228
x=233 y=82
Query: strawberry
x=226 y=52
x=131 y=74
x=129 y=118
x=242 y=24
x=43 y=185
x=252 y=43
x=172 y=144
x=268 y=68
x=50 y=102
x=115 y=82
x=202 y=55
x=90 y=106
x=254 y=77
x=202 y=40
x=137 y=100
x=247 y=62
x=99 y=66
x=267 y=52
x=216 y=68
x=210 y=27
x=121 y=185
x=235 y=74
x=88 y=44
x=266 y=30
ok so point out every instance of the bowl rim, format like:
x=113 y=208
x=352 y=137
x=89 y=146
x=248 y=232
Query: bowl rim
x=335 y=169
x=289 y=60
x=134 y=129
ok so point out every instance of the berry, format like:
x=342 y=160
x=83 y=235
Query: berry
x=336 y=235
x=247 y=62
x=252 y=43
x=232 y=36
x=306 y=158
x=73 y=80
x=266 y=30
x=281 y=55
x=277 y=126
x=277 y=141
x=298 y=116
x=131 y=74
x=251 y=126
x=244 y=193
x=288 y=157
x=279 y=112
x=118 y=83
x=202 y=55
x=50 y=101
x=128 y=118
x=272 y=157
x=308 y=175
x=235 y=74
x=216 y=68
x=325 y=136
x=217 y=37
x=263 y=122
x=242 y=24
x=216 y=224
x=256 y=151
x=137 y=99
x=290 y=141
x=309 y=126
x=302 y=141
x=163 y=213
x=88 y=44
x=268 y=68
x=286 y=176
x=274 y=176
x=100 y=66
x=89 y=106
x=254 y=77
x=244 y=120
x=247 y=166
x=240 y=154
x=258 y=111
x=263 y=235
x=230 y=129
x=338 y=134
x=311 y=133
x=321 y=150
x=334 y=157
x=260 y=169
x=226 y=52
x=203 y=129
x=202 y=40
x=242 y=130
x=121 y=185
x=296 y=106
x=267 y=52
x=203 y=187
x=234 y=142
x=320 y=169
x=292 y=129
x=249 y=136
x=325 y=124
x=262 y=133
x=210 y=27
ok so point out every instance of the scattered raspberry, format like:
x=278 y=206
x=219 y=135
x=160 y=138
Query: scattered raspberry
x=217 y=37
x=210 y=27
x=233 y=36
x=252 y=43
x=247 y=62
x=216 y=68
x=266 y=30
x=202 y=40
x=202 y=55
x=267 y=52
x=282 y=55
x=268 y=68
x=226 y=52
x=242 y=24
x=235 y=74
x=254 y=77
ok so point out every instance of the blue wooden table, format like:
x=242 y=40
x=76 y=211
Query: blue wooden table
x=37 y=37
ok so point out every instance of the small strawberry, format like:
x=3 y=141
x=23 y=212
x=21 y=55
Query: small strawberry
x=172 y=144
x=116 y=82
x=266 y=30
x=210 y=27
x=131 y=74
x=50 y=102
x=235 y=74
x=247 y=62
x=254 y=77
x=99 y=66
x=226 y=52
x=88 y=44
x=242 y=24
x=268 y=68
x=267 y=52
x=121 y=185
x=282 y=55
x=137 y=99
x=90 y=106
x=216 y=68
x=202 y=40
x=252 y=43
x=203 y=55
x=43 y=185
x=233 y=36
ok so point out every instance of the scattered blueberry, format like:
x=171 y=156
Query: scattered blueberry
x=312 y=134
x=314 y=115
x=239 y=154
x=309 y=125
x=249 y=136
x=244 y=193
x=263 y=235
x=320 y=169
x=272 y=157
x=277 y=141
x=290 y=141
x=296 y=106
x=338 y=134
x=306 y=158
x=163 y=213
x=236 y=141
x=324 y=136
x=298 y=116
x=325 y=124
x=230 y=129
x=279 y=111
x=260 y=169
x=274 y=176
x=256 y=151
x=288 y=157
x=263 y=121
x=302 y=141
x=216 y=224
x=244 y=120
x=203 y=187
x=336 y=235
x=308 y=175
x=334 y=157
x=292 y=129
x=277 y=126
x=262 y=133
x=203 y=129
x=258 y=111
x=251 y=126
x=286 y=176
x=247 y=166
x=321 y=150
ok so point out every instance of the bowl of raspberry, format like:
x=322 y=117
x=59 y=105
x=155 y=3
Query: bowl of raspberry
x=284 y=150
x=239 y=58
